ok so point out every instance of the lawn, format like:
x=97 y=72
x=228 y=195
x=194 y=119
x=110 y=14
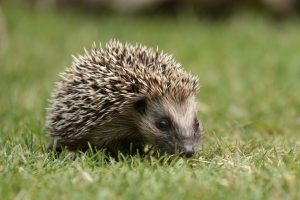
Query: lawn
x=249 y=103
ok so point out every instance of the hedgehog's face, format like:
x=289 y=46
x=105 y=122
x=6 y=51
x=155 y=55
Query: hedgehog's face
x=170 y=125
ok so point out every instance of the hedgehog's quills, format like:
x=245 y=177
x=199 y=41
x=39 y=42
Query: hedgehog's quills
x=122 y=97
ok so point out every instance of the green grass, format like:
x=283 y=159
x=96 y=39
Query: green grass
x=249 y=103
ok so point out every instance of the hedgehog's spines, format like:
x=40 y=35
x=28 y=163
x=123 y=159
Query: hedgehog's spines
x=106 y=80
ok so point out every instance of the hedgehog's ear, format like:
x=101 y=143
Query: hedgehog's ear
x=140 y=105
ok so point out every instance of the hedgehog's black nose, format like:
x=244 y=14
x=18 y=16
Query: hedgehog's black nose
x=188 y=151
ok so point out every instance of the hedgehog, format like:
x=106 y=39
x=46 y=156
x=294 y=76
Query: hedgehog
x=123 y=97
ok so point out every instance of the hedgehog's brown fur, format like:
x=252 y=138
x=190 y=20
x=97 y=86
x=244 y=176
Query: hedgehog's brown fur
x=94 y=101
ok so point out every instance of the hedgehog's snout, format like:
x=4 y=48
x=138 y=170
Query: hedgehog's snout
x=188 y=150
x=189 y=145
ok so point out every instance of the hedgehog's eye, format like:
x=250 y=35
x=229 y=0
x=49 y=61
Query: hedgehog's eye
x=163 y=124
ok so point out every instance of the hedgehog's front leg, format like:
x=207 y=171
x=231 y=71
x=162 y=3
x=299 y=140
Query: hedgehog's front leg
x=126 y=148
x=55 y=146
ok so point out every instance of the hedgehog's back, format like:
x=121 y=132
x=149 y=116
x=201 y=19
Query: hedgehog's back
x=104 y=81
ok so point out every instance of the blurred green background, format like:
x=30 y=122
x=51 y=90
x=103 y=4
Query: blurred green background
x=247 y=57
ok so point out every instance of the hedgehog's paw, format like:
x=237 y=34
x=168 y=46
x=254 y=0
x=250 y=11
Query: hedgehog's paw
x=127 y=149
x=54 y=146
